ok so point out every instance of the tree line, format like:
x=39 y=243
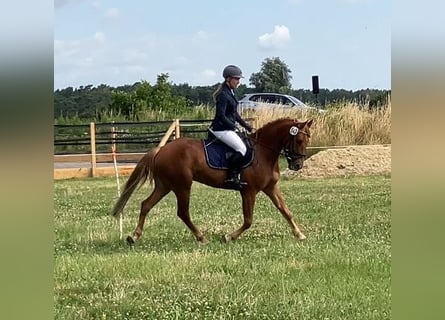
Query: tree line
x=90 y=102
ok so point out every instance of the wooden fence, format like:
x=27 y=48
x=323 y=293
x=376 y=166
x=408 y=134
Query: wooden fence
x=88 y=150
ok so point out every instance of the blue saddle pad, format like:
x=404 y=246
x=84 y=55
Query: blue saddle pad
x=215 y=152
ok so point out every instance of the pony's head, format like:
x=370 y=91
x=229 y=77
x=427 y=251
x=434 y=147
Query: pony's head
x=287 y=136
x=295 y=146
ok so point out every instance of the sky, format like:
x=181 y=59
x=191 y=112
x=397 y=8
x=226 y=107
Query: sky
x=347 y=43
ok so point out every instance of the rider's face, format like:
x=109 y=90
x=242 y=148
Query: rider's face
x=233 y=82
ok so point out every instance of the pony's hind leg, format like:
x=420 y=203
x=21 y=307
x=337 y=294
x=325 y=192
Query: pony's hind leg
x=157 y=194
x=275 y=195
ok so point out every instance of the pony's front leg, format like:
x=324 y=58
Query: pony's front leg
x=275 y=195
x=248 y=199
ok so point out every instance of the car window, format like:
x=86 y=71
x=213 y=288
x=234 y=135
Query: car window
x=296 y=102
x=268 y=98
x=285 y=101
x=273 y=99
x=259 y=98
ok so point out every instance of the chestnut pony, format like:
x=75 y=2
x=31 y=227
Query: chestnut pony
x=176 y=165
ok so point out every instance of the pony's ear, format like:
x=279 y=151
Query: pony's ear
x=309 y=123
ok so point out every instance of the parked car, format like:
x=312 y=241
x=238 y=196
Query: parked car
x=252 y=101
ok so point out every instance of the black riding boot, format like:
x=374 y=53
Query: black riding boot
x=233 y=173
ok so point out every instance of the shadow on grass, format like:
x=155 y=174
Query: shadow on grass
x=167 y=242
x=164 y=243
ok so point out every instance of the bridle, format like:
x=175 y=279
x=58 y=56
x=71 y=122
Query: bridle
x=289 y=149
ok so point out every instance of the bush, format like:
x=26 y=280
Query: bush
x=147 y=100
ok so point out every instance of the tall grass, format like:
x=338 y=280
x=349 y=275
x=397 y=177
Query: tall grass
x=348 y=124
x=353 y=125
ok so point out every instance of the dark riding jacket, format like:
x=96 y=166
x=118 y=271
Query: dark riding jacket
x=226 y=111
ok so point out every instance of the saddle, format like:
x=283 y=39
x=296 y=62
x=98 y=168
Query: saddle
x=217 y=153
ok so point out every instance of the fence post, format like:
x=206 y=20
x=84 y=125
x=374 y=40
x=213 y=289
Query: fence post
x=177 y=130
x=93 y=148
x=167 y=134
x=113 y=139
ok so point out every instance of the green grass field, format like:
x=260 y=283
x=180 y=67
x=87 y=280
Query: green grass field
x=341 y=271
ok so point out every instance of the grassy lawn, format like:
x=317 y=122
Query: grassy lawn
x=341 y=271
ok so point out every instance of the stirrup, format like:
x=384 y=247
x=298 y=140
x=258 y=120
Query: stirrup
x=235 y=184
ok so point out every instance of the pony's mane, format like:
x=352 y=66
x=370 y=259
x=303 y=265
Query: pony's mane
x=274 y=122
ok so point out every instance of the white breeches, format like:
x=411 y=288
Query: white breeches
x=231 y=139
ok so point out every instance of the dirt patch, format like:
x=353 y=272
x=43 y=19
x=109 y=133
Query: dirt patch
x=358 y=160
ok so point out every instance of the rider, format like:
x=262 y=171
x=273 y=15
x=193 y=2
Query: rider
x=224 y=125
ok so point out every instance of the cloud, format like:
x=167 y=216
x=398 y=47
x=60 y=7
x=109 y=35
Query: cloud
x=208 y=74
x=276 y=39
x=61 y=3
x=112 y=13
x=99 y=37
x=135 y=55
x=66 y=48
x=201 y=35
x=177 y=63
x=199 y=78
x=355 y=1
x=295 y=2
x=96 y=5
x=135 y=69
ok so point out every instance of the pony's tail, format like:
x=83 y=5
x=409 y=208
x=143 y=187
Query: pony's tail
x=140 y=174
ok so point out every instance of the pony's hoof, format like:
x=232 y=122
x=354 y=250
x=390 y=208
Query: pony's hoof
x=226 y=238
x=301 y=237
x=203 y=242
x=130 y=241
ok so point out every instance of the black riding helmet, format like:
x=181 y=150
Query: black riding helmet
x=232 y=71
